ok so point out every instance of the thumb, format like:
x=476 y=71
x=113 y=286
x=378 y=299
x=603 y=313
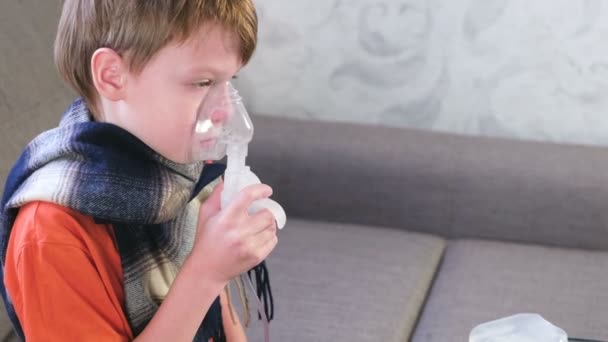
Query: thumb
x=212 y=205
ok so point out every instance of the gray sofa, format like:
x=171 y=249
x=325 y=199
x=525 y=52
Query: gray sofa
x=392 y=234
x=399 y=234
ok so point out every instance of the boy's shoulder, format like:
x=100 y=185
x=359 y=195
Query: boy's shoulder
x=49 y=223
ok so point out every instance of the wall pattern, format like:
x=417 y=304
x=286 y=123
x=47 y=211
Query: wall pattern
x=517 y=68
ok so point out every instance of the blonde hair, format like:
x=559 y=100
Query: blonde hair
x=138 y=29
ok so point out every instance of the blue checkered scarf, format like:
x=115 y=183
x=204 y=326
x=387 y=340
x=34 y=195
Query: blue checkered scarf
x=105 y=172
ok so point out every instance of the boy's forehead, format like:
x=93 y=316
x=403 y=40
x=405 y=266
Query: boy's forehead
x=213 y=38
x=211 y=48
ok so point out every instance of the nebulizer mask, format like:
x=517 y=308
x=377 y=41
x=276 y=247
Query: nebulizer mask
x=224 y=128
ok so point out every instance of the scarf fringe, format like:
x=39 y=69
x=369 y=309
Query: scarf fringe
x=259 y=276
x=262 y=289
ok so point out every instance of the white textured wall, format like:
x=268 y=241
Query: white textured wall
x=531 y=69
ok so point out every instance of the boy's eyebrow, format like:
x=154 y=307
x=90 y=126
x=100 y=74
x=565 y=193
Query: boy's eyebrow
x=215 y=71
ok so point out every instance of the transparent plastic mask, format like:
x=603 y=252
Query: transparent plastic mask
x=223 y=127
x=221 y=120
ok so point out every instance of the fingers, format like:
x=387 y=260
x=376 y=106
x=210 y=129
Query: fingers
x=212 y=204
x=268 y=243
x=260 y=245
x=261 y=221
x=261 y=235
x=256 y=234
x=247 y=196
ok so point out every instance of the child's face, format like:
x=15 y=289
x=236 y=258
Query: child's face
x=160 y=103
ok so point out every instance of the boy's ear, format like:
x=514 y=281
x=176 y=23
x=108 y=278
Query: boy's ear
x=109 y=73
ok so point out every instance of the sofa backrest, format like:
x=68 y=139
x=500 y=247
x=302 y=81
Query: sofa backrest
x=454 y=186
x=32 y=95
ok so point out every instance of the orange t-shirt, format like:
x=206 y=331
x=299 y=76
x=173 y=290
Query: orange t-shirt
x=64 y=275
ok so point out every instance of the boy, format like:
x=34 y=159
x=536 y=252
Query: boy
x=103 y=235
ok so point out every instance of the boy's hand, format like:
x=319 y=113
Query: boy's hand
x=230 y=241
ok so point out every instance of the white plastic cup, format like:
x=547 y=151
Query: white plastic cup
x=524 y=327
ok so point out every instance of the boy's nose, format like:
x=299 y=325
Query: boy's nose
x=219 y=116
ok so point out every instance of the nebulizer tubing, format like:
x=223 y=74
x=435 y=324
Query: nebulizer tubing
x=224 y=128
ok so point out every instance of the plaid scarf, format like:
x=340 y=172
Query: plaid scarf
x=105 y=172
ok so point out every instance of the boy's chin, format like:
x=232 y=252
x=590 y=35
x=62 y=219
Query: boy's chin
x=196 y=155
x=183 y=159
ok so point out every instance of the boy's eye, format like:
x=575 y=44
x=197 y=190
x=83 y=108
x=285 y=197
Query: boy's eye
x=203 y=83
x=207 y=83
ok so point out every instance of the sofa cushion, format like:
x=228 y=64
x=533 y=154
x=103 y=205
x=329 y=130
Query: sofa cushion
x=333 y=282
x=480 y=281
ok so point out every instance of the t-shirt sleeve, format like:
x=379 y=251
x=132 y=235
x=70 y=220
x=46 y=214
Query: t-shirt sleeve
x=59 y=293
